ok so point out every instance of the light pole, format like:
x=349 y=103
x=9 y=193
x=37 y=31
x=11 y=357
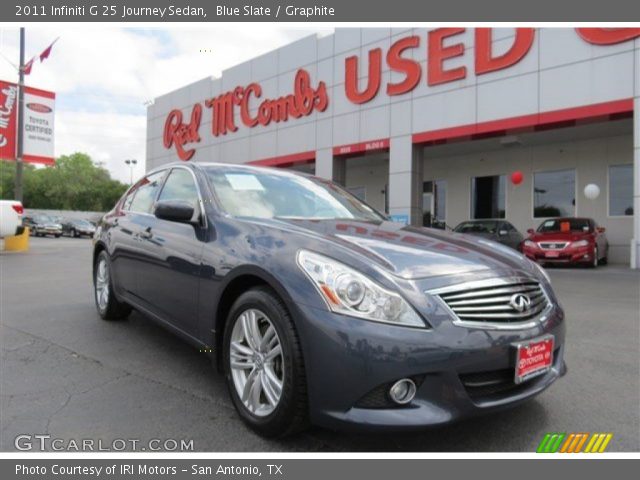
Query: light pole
x=132 y=162
x=19 y=151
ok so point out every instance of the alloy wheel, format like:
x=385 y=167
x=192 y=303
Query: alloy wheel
x=102 y=284
x=256 y=361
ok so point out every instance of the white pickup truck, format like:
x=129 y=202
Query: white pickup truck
x=10 y=218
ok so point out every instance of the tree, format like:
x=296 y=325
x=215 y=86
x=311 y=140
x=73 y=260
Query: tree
x=73 y=183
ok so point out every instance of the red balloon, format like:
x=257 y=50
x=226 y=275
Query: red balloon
x=517 y=177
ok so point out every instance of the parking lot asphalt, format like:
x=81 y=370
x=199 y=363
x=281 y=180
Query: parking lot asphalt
x=66 y=373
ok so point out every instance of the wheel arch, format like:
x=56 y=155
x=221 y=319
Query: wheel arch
x=99 y=247
x=239 y=281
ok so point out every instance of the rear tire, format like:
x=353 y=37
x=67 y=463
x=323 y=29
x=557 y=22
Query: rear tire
x=108 y=306
x=258 y=311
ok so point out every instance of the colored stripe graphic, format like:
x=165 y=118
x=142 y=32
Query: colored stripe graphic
x=598 y=443
x=555 y=442
x=574 y=443
x=550 y=443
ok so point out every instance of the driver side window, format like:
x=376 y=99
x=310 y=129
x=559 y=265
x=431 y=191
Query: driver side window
x=180 y=186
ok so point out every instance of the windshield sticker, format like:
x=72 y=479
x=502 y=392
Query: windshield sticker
x=242 y=181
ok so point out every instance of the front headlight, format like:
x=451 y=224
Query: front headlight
x=530 y=244
x=351 y=293
x=580 y=243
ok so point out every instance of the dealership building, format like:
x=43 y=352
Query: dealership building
x=434 y=126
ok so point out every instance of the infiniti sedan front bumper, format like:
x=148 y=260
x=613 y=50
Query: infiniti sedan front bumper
x=459 y=371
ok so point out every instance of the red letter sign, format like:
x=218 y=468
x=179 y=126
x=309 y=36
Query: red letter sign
x=410 y=68
x=351 y=77
x=486 y=62
x=438 y=54
x=178 y=134
x=607 y=36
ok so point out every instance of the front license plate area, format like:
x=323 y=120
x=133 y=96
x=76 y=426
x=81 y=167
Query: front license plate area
x=552 y=254
x=533 y=358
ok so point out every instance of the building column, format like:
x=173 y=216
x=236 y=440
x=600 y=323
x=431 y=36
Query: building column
x=330 y=167
x=635 y=241
x=405 y=180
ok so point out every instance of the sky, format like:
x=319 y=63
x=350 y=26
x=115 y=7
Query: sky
x=103 y=77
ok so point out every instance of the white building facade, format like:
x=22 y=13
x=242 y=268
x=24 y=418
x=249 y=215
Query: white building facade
x=434 y=126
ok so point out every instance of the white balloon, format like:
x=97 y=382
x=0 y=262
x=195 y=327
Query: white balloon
x=592 y=191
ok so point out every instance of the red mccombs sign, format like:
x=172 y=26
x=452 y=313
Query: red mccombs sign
x=307 y=98
x=301 y=103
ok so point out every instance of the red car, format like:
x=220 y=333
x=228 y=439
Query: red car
x=567 y=241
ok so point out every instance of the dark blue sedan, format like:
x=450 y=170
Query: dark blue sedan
x=318 y=309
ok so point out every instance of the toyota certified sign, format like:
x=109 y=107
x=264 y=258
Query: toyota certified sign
x=39 y=110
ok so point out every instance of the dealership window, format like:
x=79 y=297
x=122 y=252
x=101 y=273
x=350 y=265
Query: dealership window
x=621 y=190
x=146 y=192
x=554 y=194
x=488 y=196
x=434 y=203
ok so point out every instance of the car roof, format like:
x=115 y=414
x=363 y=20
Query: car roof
x=567 y=219
x=241 y=166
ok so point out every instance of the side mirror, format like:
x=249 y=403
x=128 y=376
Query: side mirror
x=601 y=229
x=174 y=211
x=502 y=233
x=530 y=231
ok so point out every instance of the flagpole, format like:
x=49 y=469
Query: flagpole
x=20 y=140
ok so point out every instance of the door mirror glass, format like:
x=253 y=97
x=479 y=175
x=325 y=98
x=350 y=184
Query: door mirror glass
x=174 y=211
x=601 y=229
x=530 y=231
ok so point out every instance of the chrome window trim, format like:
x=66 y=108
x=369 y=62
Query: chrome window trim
x=487 y=283
x=167 y=171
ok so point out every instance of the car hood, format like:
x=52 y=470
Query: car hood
x=410 y=252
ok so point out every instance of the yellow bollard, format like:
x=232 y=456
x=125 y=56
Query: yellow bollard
x=17 y=243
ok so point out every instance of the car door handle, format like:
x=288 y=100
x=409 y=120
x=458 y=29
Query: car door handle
x=146 y=233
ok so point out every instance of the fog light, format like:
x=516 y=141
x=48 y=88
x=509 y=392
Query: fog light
x=403 y=391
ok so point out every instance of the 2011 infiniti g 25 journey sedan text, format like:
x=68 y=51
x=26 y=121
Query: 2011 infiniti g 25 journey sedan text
x=319 y=309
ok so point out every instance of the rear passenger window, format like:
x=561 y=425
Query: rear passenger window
x=126 y=205
x=146 y=192
x=180 y=186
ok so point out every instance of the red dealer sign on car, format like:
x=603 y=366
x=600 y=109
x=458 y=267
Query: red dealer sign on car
x=306 y=98
x=39 y=110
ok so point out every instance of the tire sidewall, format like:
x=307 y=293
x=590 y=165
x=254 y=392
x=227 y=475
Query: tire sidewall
x=102 y=255
x=275 y=422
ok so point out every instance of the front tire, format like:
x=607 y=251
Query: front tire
x=264 y=366
x=594 y=262
x=108 y=306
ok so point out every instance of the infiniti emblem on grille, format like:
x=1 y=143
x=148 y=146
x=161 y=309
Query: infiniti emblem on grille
x=520 y=302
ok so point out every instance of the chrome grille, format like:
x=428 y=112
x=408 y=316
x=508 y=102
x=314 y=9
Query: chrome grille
x=496 y=302
x=553 y=245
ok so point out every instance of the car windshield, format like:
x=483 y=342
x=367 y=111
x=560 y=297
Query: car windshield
x=43 y=219
x=280 y=194
x=82 y=223
x=565 y=225
x=477 y=227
